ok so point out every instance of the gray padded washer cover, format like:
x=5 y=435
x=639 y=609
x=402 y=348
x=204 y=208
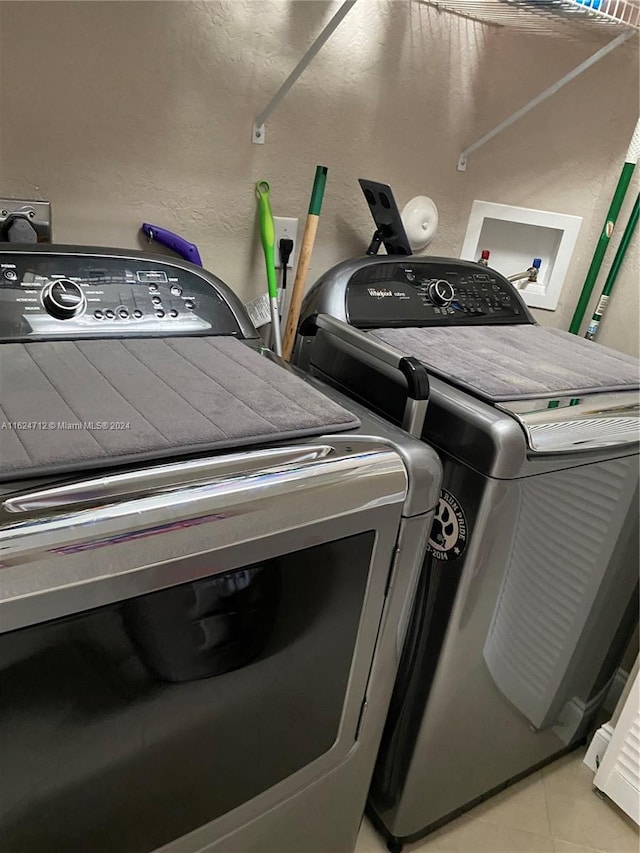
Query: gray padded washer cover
x=516 y=362
x=143 y=399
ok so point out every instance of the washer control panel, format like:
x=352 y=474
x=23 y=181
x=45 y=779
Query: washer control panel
x=432 y=293
x=45 y=295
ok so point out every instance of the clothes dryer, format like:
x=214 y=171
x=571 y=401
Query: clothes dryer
x=206 y=566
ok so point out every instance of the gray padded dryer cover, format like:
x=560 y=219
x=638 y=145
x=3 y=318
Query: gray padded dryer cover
x=516 y=362
x=143 y=399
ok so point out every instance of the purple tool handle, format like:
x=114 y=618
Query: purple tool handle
x=188 y=251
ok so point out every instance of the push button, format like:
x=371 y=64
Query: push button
x=110 y=315
x=10 y=275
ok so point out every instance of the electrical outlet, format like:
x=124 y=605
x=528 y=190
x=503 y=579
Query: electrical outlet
x=37 y=213
x=286 y=226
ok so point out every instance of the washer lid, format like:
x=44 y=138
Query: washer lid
x=558 y=425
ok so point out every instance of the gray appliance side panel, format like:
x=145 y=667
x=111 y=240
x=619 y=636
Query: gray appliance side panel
x=472 y=737
x=291 y=817
x=568 y=525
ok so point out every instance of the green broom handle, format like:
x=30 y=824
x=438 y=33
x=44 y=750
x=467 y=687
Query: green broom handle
x=613 y=272
x=598 y=256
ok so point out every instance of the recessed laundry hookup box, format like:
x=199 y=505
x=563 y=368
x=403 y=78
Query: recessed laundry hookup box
x=516 y=235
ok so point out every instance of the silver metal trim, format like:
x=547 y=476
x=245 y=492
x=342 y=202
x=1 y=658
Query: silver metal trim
x=413 y=417
x=575 y=424
x=144 y=512
x=161 y=478
x=54 y=564
x=581 y=434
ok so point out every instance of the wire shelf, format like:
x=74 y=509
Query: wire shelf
x=575 y=18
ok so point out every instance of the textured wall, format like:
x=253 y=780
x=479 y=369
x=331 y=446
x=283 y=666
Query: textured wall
x=121 y=112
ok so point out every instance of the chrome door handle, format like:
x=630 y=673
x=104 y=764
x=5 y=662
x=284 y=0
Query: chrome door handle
x=161 y=478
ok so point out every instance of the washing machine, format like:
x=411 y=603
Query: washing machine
x=529 y=587
x=206 y=569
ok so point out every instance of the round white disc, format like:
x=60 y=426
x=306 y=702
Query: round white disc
x=420 y=220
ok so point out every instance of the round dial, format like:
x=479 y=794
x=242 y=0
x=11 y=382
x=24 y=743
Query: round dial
x=63 y=299
x=441 y=292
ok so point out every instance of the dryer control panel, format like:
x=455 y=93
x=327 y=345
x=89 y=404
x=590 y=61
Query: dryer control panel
x=76 y=292
x=438 y=292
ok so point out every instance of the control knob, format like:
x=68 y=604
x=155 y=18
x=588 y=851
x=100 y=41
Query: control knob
x=63 y=299
x=441 y=292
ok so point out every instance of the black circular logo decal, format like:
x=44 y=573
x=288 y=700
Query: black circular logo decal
x=448 y=538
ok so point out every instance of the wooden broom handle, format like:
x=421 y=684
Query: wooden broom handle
x=304 y=262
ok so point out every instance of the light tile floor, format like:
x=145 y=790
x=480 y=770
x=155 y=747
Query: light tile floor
x=555 y=810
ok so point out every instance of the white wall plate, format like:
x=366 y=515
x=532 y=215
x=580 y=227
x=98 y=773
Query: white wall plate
x=516 y=235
